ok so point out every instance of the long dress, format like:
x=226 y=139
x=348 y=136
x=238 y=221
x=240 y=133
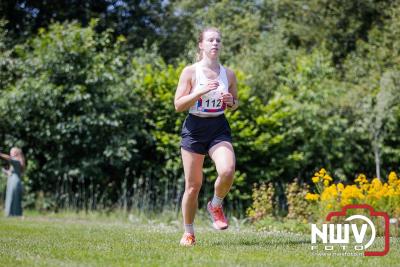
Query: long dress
x=13 y=205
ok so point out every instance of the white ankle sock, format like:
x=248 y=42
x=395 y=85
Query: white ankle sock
x=216 y=201
x=189 y=228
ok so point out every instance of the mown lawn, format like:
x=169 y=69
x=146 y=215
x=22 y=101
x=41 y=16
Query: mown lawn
x=88 y=240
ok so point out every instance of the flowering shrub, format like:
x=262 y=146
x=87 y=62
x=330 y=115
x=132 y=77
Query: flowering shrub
x=298 y=206
x=383 y=196
x=263 y=202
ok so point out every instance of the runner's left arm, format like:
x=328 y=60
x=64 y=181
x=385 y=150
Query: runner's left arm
x=231 y=98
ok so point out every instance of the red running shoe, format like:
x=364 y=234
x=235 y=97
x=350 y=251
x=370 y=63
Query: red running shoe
x=218 y=217
x=188 y=240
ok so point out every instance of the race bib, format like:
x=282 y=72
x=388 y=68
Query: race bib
x=212 y=101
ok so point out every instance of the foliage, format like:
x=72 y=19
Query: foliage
x=298 y=207
x=77 y=112
x=141 y=22
x=238 y=29
x=263 y=202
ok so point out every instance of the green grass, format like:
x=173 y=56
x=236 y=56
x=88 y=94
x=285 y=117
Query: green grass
x=70 y=239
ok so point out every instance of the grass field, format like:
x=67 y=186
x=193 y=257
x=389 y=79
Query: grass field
x=70 y=239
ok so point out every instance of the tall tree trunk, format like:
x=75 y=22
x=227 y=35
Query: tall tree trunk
x=377 y=158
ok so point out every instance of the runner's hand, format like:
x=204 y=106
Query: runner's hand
x=227 y=98
x=211 y=85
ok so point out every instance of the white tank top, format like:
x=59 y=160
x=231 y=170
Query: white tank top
x=210 y=104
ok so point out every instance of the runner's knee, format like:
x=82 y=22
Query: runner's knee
x=227 y=172
x=193 y=189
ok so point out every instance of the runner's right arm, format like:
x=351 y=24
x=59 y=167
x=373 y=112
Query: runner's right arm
x=183 y=98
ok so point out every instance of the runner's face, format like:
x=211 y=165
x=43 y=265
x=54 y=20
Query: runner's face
x=211 y=44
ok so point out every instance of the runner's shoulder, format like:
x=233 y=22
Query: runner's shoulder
x=189 y=70
x=230 y=75
x=189 y=73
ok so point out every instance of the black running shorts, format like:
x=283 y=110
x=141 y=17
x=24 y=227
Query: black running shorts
x=199 y=134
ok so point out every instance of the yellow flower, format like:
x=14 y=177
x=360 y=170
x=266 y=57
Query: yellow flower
x=312 y=197
x=329 y=193
x=376 y=184
x=340 y=187
x=345 y=202
x=390 y=192
x=361 y=179
x=371 y=191
x=393 y=178
x=352 y=192
x=315 y=179
x=365 y=187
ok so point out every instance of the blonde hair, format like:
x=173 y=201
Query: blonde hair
x=20 y=157
x=199 y=54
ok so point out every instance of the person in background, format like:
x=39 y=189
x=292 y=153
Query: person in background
x=13 y=203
